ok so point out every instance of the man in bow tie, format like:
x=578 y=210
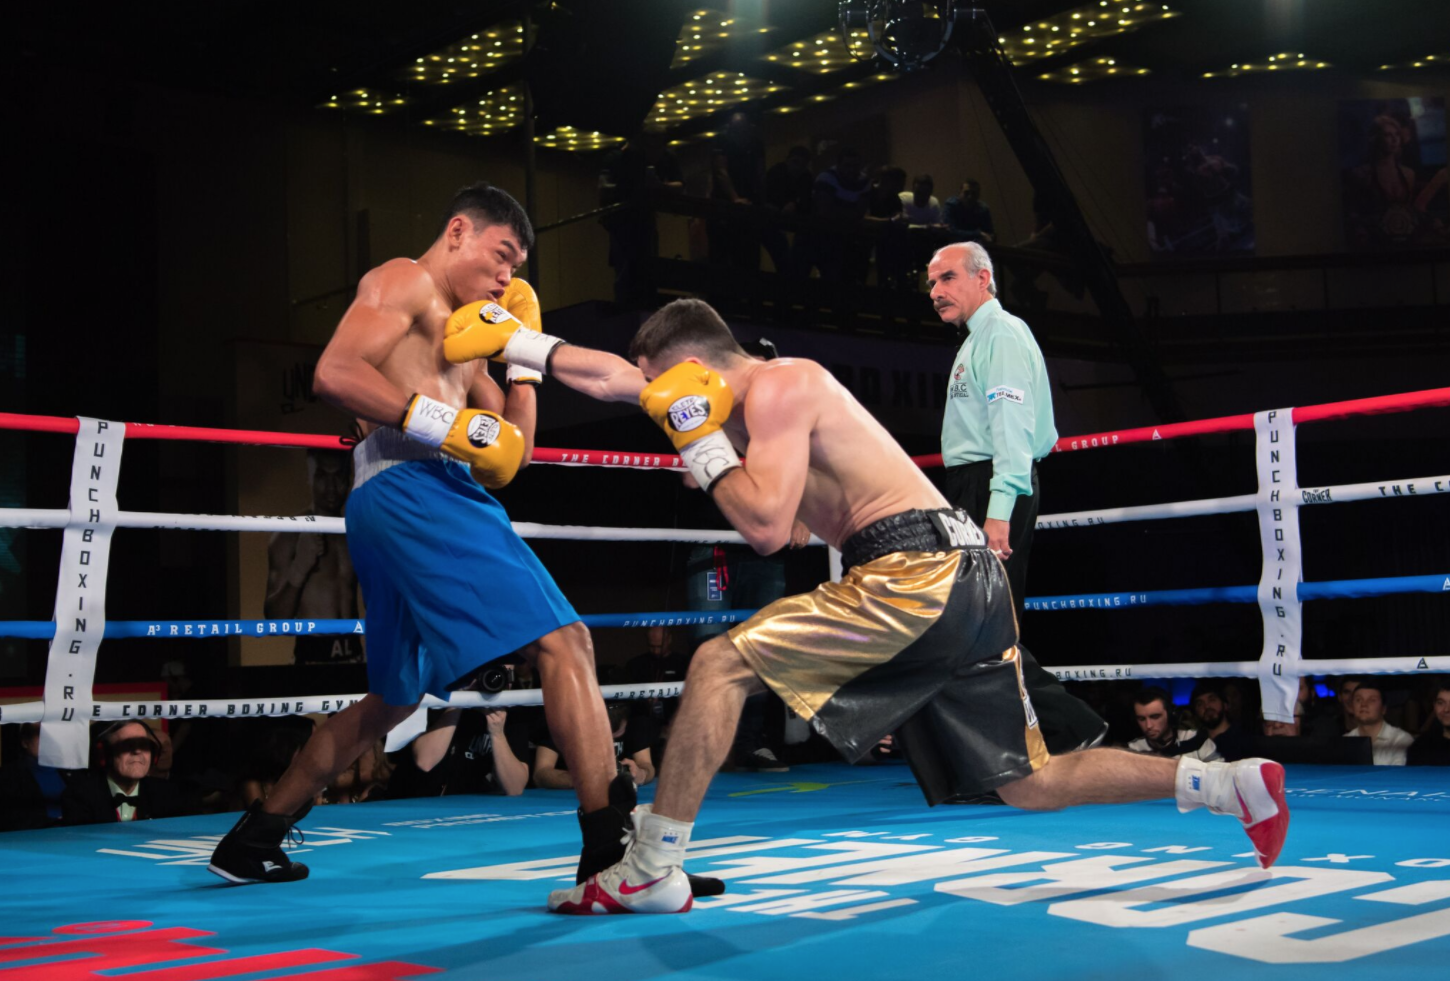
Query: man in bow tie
x=118 y=787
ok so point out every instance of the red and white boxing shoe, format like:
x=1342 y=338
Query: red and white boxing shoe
x=1251 y=790
x=623 y=888
x=649 y=879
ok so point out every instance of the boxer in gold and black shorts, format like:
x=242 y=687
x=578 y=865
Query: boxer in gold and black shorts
x=918 y=638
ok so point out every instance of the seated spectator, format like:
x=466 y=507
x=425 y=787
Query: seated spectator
x=29 y=793
x=841 y=192
x=368 y=774
x=660 y=663
x=465 y=751
x=1433 y=746
x=119 y=787
x=919 y=205
x=1345 y=693
x=787 y=190
x=1390 y=742
x=642 y=167
x=788 y=183
x=1231 y=741
x=893 y=245
x=967 y=216
x=1153 y=708
x=632 y=738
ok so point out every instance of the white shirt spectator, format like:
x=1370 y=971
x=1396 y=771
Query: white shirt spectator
x=1389 y=746
x=1191 y=743
x=929 y=215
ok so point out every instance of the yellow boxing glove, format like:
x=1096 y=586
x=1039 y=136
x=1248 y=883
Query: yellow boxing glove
x=492 y=446
x=691 y=403
x=485 y=329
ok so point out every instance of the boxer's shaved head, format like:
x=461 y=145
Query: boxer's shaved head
x=485 y=205
x=682 y=329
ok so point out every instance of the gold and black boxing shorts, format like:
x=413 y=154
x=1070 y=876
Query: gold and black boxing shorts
x=917 y=639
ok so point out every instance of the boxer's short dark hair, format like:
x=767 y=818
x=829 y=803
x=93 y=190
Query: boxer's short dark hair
x=484 y=205
x=688 y=327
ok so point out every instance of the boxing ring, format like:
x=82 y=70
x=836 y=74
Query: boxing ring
x=829 y=867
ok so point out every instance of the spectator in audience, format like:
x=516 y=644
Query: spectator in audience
x=642 y=167
x=1433 y=746
x=368 y=774
x=1154 y=710
x=119 y=787
x=788 y=183
x=632 y=739
x=272 y=757
x=30 y=793
x=1345 y=693
x=1231 y=741
x=893 y=246
x=465 y=751
x=841 y=192
x=967 y=216
x=920 y=205
x=1390 y=743
x=659 y=663
x=788 y=191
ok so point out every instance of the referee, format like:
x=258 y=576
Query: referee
x=998 y=424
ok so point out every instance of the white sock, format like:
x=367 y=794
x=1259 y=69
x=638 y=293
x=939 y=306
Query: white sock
x=659 y=842
x=1199 y=784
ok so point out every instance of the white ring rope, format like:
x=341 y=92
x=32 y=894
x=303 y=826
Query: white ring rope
x=262 y=707
x=1251 y=669
x=1371 y=491
x=41 y=518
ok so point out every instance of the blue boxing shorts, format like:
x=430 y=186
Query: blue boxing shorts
x=448 y=584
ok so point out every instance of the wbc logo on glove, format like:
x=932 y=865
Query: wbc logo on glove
x=689 y=413
x=483 y=430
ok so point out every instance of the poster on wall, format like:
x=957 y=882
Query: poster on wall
x=1392 y=157
x=1197 y=180
x=302 y=574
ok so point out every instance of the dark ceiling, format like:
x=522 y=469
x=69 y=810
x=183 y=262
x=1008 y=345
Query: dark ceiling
x=300 y=52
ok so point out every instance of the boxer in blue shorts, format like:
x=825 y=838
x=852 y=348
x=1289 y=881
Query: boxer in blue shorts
x=448 y=584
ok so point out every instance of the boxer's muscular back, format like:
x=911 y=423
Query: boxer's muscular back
x=402 y=309
x=858 y=473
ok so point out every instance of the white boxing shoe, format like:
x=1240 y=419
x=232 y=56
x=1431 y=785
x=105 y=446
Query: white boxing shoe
x=617 y=890
x=1251 y=790
x=649 y=879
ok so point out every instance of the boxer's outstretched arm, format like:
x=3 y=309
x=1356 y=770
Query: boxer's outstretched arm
x=389 y=299
x=761 y=498
x=598 y=374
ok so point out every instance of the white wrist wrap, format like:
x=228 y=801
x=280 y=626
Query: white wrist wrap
x=519 y=375
x=428 y=420
x=530 y=349
x=709 y=458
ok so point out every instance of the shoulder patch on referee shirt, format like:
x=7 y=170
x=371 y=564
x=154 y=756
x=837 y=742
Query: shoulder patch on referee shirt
x=1002 y=392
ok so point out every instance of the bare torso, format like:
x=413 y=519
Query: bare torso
x=415 y=363
x=858 y=473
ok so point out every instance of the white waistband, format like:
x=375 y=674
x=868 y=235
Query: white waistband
x=385 y=448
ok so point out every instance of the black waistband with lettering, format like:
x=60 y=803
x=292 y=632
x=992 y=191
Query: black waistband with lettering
x=912 y=531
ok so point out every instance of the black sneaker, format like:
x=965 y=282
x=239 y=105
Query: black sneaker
x=605 y=832
x=252 y=850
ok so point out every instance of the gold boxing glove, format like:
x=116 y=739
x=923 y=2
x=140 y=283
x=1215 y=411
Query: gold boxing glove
x=691 y=403
x=492 y=446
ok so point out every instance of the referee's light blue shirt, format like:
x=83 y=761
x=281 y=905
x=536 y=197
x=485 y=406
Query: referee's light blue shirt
x=999 y=405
